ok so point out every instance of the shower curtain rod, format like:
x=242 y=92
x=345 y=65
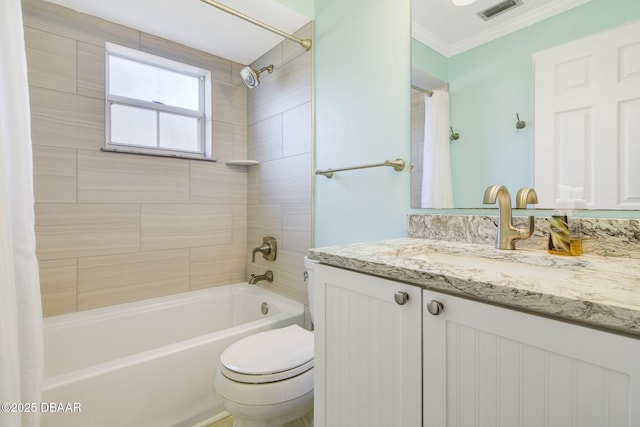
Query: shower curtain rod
x=306 y=43
x=419 y=89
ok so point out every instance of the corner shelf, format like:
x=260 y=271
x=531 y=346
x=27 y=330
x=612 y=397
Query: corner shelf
x=242 y=162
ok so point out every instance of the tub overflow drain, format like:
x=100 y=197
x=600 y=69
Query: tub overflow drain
x=264 y=308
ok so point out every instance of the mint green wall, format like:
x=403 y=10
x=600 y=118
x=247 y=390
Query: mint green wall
x=305 y=7
x=362 y=115
x=428 y=60
x=491 y=83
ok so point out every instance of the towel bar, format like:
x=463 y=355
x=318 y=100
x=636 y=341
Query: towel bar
x=397 y=164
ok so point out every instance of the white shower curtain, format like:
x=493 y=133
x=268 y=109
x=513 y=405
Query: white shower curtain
x=21 y=357
x=437 y=191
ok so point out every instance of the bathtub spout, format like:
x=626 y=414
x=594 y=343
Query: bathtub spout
x=268 y=276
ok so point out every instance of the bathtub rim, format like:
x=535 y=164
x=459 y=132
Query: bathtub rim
x=156 y=303
x=290 y=309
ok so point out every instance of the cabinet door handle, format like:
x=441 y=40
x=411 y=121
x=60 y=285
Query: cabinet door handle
x=434 y=307
x=401 y=297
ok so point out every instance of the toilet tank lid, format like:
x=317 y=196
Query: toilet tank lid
x=269 y=352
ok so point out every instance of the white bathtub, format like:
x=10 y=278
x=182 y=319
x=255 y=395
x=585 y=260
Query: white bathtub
x=152 y=362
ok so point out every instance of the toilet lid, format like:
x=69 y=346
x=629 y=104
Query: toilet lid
x=272 y=353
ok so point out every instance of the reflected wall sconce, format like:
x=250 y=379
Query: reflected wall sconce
x=520 y=124
x=463 y=2
x=453 y=136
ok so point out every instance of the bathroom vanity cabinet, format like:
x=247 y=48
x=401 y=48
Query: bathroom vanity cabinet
x=491 y=366
x=368 y=352
x=387 y=363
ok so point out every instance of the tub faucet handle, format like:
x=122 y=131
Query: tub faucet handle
x=268 y=249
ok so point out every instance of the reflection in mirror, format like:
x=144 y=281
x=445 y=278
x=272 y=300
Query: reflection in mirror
x=430 y=124
x=587 y=105
x=488 y=85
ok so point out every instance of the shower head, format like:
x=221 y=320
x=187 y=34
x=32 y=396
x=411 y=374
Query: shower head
x=251 y=77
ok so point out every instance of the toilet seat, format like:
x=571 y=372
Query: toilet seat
x=265 y=378
x=270 y=356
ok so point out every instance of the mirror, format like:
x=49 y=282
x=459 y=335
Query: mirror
x=491 y=93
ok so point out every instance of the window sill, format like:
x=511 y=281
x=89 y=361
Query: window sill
x=170 y=156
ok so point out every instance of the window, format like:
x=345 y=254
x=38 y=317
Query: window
x=155 y=105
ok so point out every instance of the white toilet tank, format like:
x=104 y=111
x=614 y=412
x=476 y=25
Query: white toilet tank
x=308 y=266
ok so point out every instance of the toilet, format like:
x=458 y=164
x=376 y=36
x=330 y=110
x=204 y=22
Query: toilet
x=266 y=379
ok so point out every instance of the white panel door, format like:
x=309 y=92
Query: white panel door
x=486 y=366
x=368 y=359
x=587 y=119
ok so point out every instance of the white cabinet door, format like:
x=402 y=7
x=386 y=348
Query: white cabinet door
x=587 y=119
x=368 y=355
x=485 y=366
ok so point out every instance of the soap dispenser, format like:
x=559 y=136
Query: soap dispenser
x=565 y=234
x=575 y=227
x=559 y=237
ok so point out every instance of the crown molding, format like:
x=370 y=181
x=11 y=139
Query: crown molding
x=522 y=21
x=428 y=38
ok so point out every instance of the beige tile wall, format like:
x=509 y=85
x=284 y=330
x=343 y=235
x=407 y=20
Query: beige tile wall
x=280 y=137
x=111 y=227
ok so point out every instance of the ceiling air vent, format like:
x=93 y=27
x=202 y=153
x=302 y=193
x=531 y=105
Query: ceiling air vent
x=499 y=8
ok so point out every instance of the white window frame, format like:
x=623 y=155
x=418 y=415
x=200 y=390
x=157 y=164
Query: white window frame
x=203 y=114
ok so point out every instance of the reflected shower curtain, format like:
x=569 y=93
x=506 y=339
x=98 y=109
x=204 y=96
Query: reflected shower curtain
x=21 y=356
x=437 y=191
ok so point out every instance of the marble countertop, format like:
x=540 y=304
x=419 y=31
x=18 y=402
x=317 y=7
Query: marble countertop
x=594 y=290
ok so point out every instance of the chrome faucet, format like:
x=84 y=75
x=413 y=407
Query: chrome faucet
x=268 y=276
x=507 y=233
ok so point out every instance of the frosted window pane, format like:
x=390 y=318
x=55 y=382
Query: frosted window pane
x=179 y=132
x=149 y=83
x=133 y=126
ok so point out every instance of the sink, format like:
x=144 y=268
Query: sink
x=492 y=265
x=480 y=259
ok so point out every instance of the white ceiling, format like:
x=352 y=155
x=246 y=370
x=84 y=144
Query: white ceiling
x=451 y=29
x=199 y=25
x=439 y=24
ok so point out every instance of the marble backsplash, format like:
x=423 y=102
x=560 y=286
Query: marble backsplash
x=601 y=236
